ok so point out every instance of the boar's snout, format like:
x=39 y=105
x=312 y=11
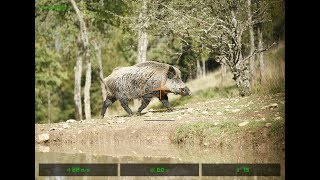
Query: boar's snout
x=185 y=91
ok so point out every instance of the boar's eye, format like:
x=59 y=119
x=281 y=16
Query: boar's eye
x=171 y=72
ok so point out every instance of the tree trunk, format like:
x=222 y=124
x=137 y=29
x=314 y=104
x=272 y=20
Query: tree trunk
x=85 y=41
x=99 y=59
x=77 y=81
x=142 y=34
x=142 y=40
x=142 y=46
x=241 y=69
x=252 y=47
x=241 y=75
x=261 y=58
x=87 y=108
x=49 y=105
x=203 y=68
x=199 y=70
x=223 y=74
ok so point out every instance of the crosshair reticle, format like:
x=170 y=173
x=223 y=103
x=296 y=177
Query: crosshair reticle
x=161 y=88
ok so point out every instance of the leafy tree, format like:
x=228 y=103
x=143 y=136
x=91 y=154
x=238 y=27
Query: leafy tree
x=49 y=75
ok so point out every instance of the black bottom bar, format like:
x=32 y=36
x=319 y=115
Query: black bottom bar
x=159 y=170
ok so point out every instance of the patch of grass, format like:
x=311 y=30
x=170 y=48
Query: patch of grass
x=276 y=129
x=196 y=133
x=200 y=132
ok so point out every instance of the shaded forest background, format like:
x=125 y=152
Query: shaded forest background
x=74 y=38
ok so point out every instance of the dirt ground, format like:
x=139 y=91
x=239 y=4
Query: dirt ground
x=155 y=128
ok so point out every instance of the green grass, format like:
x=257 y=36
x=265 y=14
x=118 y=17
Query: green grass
x=199 y=132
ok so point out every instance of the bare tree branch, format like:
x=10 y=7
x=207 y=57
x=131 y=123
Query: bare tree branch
x=256 y=51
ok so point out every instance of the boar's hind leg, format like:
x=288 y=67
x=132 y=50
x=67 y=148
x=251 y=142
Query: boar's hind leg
x=124 y=104
x=165 y=101
x=106 y=104
x=145 y=101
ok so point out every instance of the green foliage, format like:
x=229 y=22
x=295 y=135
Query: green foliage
x=48 y=77
x=54 y=68
x=55 y=36
x=274 y=28
x=188 y=60
x=105 y=12
x=164 y=49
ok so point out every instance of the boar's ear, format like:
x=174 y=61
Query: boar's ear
x=171 y=72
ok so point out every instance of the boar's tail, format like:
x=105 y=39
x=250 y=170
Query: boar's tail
x=101 y=78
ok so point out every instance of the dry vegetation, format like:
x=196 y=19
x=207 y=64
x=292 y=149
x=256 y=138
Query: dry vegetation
x=274 y=76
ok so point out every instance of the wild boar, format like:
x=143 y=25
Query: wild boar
x=143 y=81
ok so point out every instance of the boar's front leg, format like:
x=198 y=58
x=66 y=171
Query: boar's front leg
x=124 y=104
x=165 y=101
x=145 y=102
x=106 y=104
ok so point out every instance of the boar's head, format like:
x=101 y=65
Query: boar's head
x=174 y=82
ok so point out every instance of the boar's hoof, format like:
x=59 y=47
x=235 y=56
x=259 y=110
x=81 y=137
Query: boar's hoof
x=137 y=114
x=170 y=109
x=140 y=113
